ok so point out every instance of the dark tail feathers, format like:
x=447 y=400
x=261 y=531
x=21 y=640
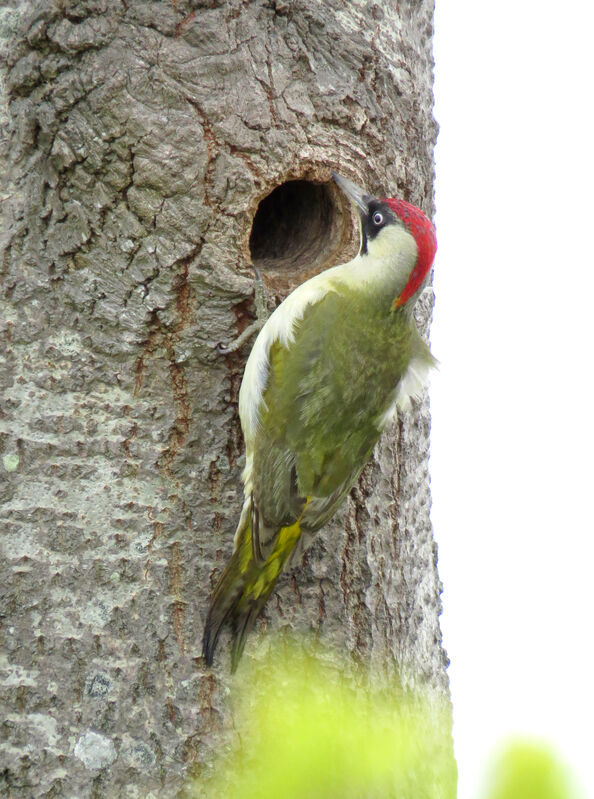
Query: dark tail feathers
x=244 y=587
x=232 y=604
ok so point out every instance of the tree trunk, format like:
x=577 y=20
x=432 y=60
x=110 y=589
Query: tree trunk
x=142 y=137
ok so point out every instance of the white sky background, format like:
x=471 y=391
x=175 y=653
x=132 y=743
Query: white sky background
x=513 y=404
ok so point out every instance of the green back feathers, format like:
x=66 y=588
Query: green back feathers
x=324 y=400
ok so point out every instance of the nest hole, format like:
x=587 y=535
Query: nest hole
x=297 y=227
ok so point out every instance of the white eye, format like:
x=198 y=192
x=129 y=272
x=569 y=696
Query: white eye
x=378 y=219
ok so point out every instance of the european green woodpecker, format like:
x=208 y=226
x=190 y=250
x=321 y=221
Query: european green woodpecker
x=328 y=371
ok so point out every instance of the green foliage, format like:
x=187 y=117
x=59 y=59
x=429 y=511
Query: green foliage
x=304 y=730
x=529 y=770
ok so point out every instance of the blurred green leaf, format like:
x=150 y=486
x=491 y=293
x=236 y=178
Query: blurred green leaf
x=529 y=770
x=304 y=731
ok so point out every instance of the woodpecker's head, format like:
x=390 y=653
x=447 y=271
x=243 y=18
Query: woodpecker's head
x=382 y=221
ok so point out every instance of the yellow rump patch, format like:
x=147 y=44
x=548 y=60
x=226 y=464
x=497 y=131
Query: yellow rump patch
x=285 y=543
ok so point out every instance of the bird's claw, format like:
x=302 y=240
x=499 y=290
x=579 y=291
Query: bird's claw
x=262 y=315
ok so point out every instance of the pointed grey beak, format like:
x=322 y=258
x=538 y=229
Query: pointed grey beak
x=353 y=192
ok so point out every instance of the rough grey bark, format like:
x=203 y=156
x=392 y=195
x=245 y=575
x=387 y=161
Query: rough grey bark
x=142 y=136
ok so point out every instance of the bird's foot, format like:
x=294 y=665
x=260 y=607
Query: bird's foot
x=262 y=315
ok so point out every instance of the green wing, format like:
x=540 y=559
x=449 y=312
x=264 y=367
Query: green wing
x=322 y=402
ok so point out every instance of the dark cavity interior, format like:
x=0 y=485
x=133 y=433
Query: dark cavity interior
x=294 y=226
